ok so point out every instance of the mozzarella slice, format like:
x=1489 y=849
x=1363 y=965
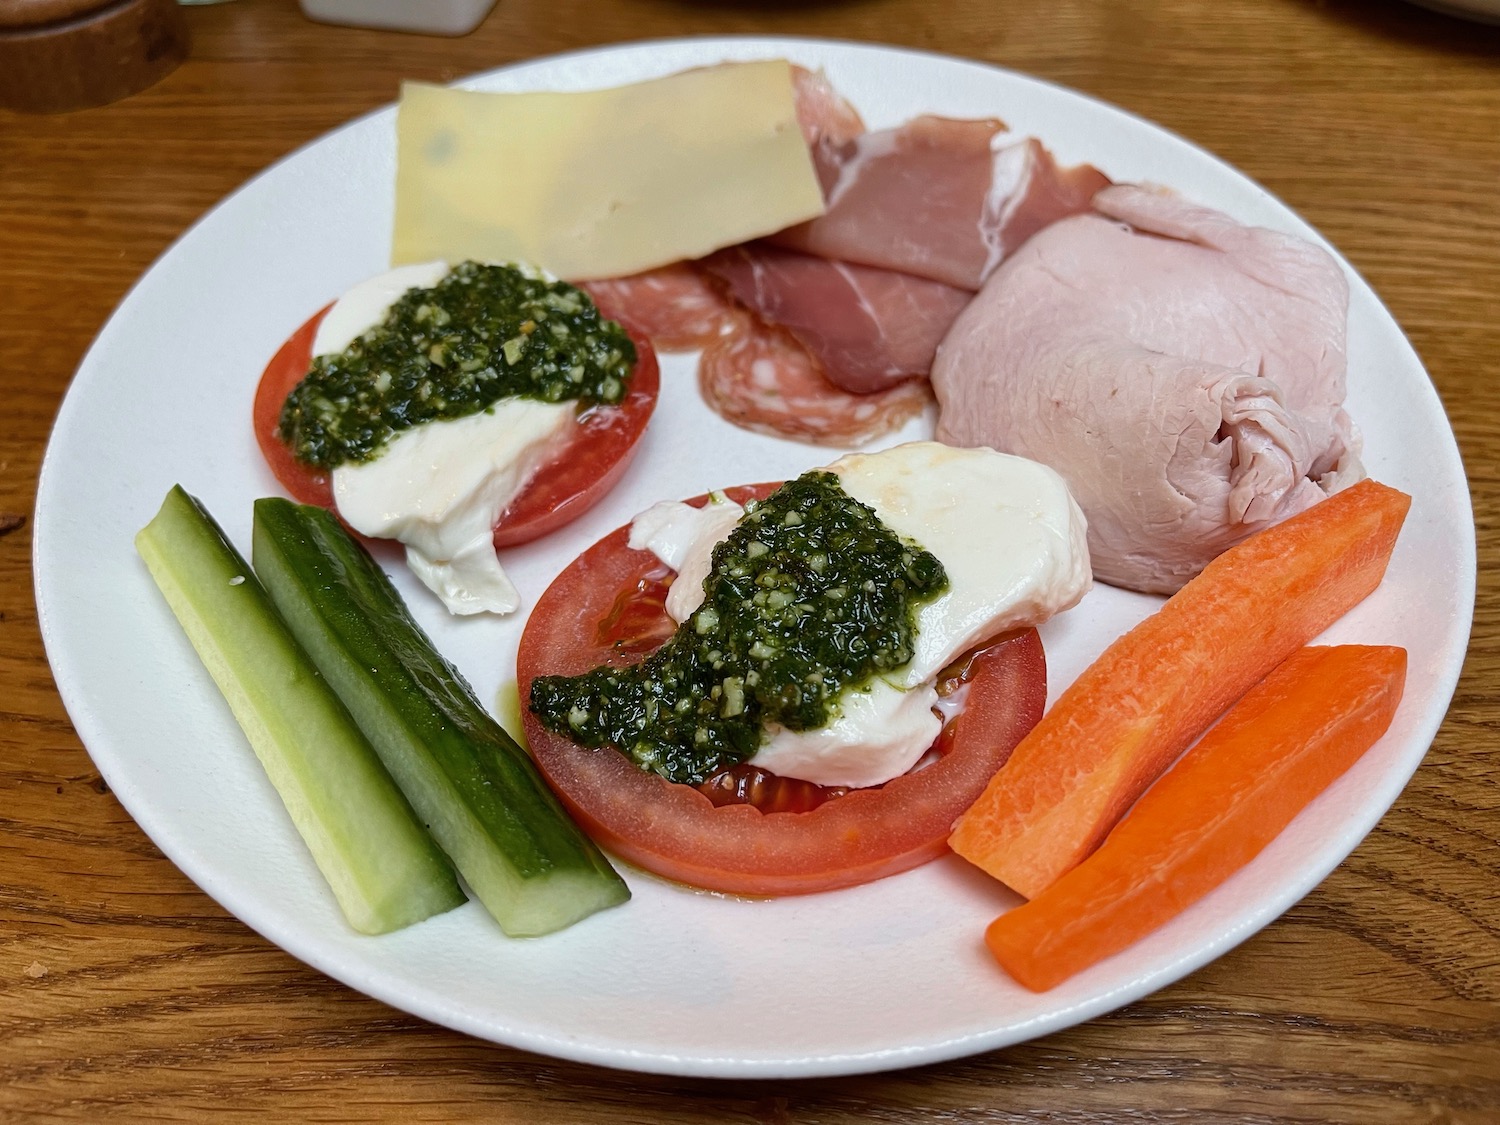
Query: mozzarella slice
x=439 y=488
x=1013 y=543
x=879 y=733
x=683 y=537
x=1006 y=530
x=365 y=306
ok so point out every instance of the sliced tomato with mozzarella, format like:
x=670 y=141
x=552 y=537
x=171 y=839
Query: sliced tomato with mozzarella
x=606 y=608
x=576 y=479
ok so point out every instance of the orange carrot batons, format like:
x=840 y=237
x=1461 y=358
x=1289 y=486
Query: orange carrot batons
x=1157 y=688
x=1213 y=812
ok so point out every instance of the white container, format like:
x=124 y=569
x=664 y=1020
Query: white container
x=430 y=17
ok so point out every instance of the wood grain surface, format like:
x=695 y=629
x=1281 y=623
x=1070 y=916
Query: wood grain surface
x=128 y=995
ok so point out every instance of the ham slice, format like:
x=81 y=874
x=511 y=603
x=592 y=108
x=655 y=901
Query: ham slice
x=825 y=117
x=867 y=328
x=938 y=198
x=761 y=378
x=1184 y=373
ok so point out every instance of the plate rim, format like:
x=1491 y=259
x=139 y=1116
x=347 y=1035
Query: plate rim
x=84 y=717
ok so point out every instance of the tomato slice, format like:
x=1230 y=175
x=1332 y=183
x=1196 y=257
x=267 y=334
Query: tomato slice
x=580 y=476
x=678 y=832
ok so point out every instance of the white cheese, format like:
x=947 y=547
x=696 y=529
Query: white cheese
x=1006 y=530
x=365 y=306
x=879 y=733
x=602 y=183
x=683 y=537
x=440 y=487
x=1013 y=543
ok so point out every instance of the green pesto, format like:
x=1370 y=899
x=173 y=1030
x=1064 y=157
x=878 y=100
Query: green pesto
x=809 y=596
x=481 y=334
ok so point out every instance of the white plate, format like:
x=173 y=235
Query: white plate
x=882 y=976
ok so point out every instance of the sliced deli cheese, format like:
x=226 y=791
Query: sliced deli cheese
x=602 y=183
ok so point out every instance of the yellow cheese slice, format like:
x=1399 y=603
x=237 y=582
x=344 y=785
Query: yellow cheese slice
x=601 y=183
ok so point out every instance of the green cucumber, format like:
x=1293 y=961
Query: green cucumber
x=384 y=869
x=474 y=787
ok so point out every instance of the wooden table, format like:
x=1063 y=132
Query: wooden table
x=127 y=994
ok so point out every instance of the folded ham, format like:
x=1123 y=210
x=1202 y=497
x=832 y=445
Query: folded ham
x=939 y=198
x=867 y=328
x=1183 y=372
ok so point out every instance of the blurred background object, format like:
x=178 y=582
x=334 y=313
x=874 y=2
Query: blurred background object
x=431 y=17
x=58 y=55
x=1485 y=11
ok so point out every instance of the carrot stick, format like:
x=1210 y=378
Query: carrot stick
x=1157 y=688
x=1213 y=812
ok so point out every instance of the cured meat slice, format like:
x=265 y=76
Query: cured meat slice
x=1184 y=373
x=826 y=118
x=679 y=308
x=1044 y=192
x=868 y=328
x=759 y=377
x=938 y=198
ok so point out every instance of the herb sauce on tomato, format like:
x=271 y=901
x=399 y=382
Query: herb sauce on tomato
x=787 y=844
x=810 y=596
x=481 y=334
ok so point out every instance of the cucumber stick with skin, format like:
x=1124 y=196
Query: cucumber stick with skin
x=474 y=787
x=384 y=869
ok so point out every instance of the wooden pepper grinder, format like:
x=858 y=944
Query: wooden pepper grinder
x=57 y=55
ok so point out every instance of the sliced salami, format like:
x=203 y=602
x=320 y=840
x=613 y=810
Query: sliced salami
x=759 y=377
x=676 y=306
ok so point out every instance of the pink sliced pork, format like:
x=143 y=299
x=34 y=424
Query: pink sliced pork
x=825 y=118
x=939 y=198
x=868 y=328
x=1183 y=372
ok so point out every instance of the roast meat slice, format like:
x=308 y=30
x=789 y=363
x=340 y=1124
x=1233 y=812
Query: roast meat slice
x=1183 y=372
